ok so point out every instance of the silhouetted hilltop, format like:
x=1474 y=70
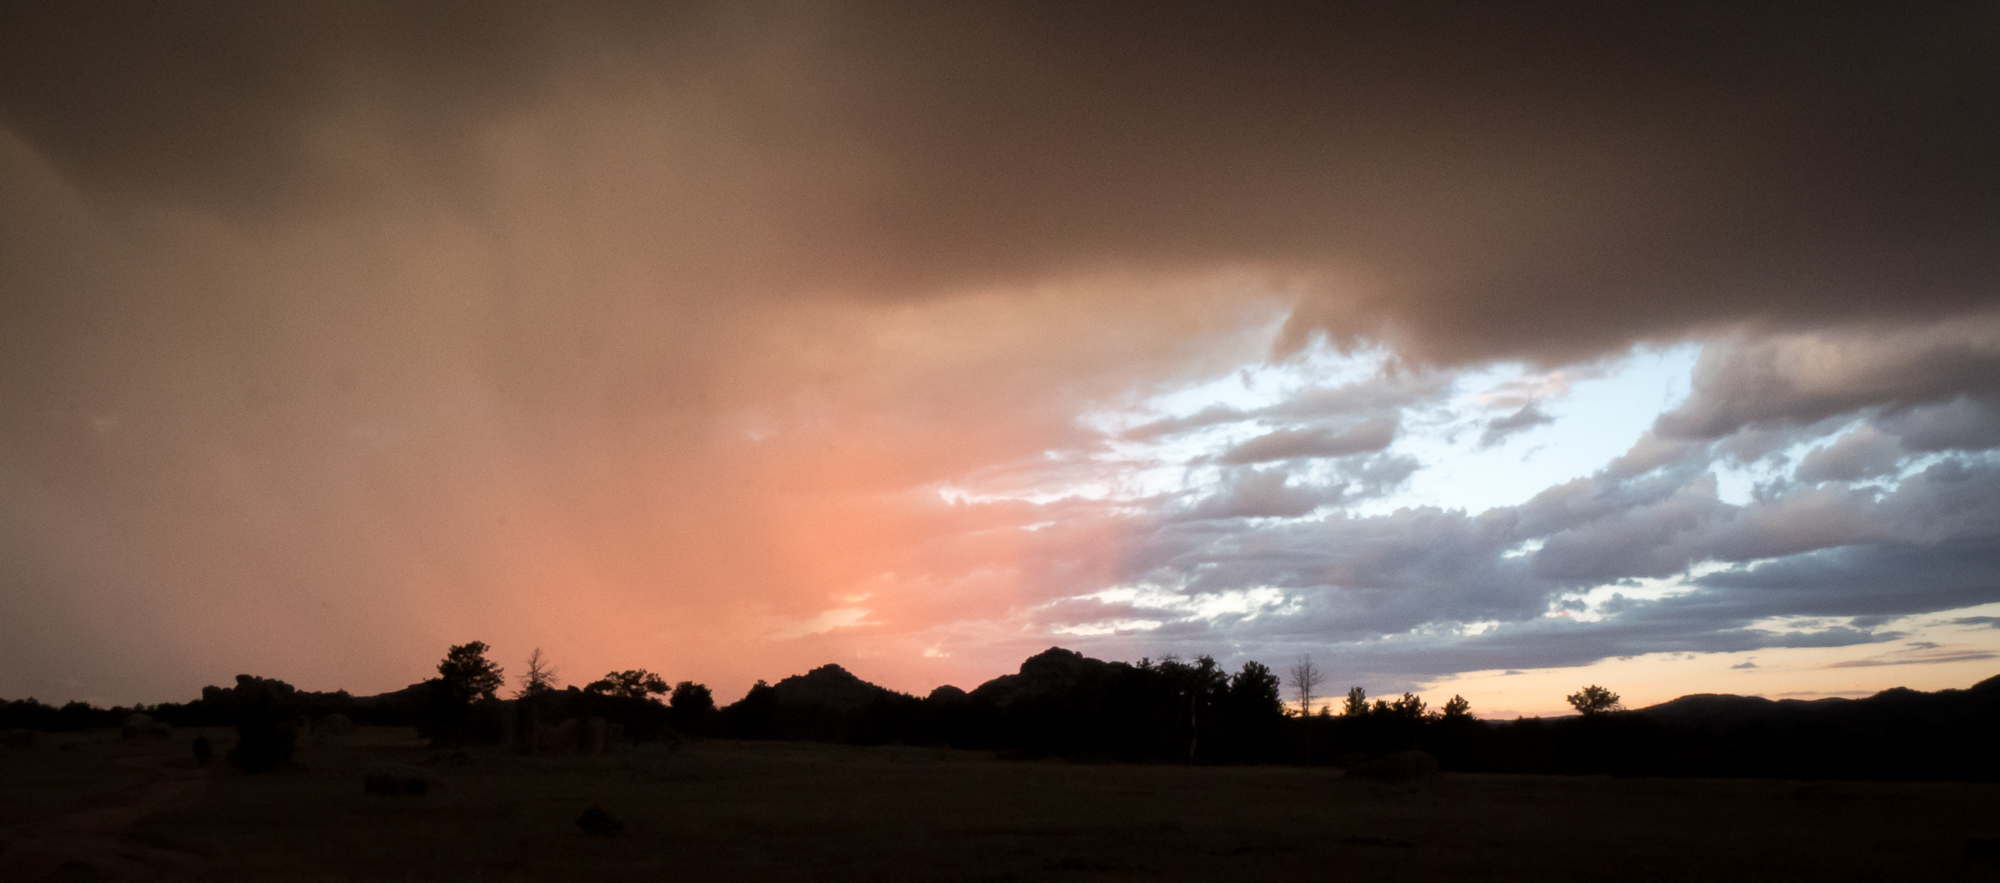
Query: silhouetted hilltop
x=1714 y=709
x=1054 y=672
x=400 y=705
x=1063 y=703
x=830 y=687
x=1901 y=705
x=826 y=704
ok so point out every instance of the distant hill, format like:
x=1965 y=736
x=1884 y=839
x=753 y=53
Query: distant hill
x=1062 y=703
x=1054 y=672
x=830 y=687
x=1051 y=673
x=1723 y=711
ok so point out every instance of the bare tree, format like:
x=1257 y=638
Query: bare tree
x=1306 y=678
x=541 y=676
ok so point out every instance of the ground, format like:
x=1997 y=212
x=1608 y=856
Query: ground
x=92 y=806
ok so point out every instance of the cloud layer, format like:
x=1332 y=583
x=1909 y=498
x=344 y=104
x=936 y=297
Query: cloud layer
x=731 y=338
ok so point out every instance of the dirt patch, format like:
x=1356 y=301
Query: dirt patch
x=94 y=843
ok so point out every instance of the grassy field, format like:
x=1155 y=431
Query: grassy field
x=787 y=811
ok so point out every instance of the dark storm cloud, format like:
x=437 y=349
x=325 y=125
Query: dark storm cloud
x=1544 y=642
x=423 y=309
x=1961 y=424
x=1721 y=616
x=1551 y=643
x=1893 y=579
x=1375 y=402
x=1474 y=180
x=1802 y=378
x=1930 y=659
x=1522 y=420
x=1287 y=444
x=1276 y=493
x=1628 y=522
x=1851 y=558
x=1253 y=493
x=1864 y=453
x=1360 y=577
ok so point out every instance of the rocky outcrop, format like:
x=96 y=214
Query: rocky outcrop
x=1054 y=672
x=829 y=687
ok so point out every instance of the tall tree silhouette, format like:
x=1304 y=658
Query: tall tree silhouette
x=1593 y=700
x=1200 y=684
x=1256 y=712
x=1356 y=704
x=693 y=707
x=467 y=672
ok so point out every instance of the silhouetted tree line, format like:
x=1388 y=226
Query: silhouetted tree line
x=217 y=707
x=1898 y=734
x=31 y=714
x=1063 y=704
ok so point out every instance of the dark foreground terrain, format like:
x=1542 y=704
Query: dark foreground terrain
x=92 y=806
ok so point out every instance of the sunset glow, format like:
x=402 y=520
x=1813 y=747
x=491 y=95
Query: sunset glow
x=736 y=342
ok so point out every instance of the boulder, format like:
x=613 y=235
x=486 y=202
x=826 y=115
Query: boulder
x=335 y=724
x=137 y=725
x=397 y=780
x=1398 y=768
x=563 y=738
x=592 y=735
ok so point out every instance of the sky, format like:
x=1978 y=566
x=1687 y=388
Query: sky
x=1468 y=348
